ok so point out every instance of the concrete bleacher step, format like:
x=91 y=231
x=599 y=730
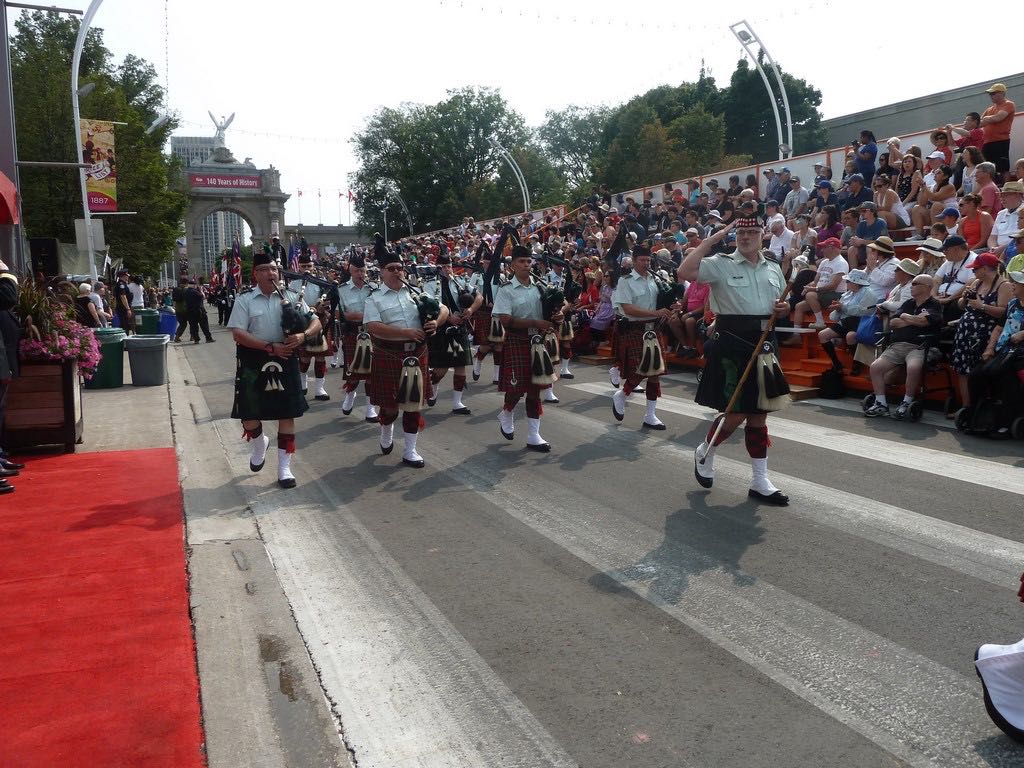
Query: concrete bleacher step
x=798 y=392
x=803 y=378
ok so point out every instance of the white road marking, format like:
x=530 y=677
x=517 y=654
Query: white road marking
x=952 y=466
x=409 y=689
x=911 y=706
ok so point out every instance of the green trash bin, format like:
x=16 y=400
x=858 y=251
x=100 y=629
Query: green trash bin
x=148 y=321
x=147 y=356
x=110 y=372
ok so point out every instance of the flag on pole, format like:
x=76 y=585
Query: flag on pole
x=351 y=197
x=235 y=278
x=293 y=254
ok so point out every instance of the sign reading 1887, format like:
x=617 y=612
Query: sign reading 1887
x=224 y=182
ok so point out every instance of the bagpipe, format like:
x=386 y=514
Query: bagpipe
x=318 y=344
x=496 y=335
x=545 y=348
x=571 y=292
x=293 y=319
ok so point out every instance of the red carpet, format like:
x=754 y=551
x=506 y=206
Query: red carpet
x=97 y=664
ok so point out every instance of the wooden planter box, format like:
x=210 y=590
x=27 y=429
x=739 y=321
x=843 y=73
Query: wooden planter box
x=44 y=406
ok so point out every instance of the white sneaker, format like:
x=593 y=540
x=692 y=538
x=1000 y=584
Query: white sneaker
x=614 y=377
x=348 y=403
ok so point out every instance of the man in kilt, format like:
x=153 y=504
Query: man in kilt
x=518 y=306
x=746 y=289
x=267 y=386
x=351 y=303
x=392 y=318
x=482 y=321
x=315 y=298
x=636 y=299
x=449 y=347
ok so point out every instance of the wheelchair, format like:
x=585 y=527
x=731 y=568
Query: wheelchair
x=941 y=343
x=998 y=416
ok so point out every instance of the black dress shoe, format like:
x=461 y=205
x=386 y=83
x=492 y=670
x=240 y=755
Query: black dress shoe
x=553 y=401
x=476 y=377
x=567 y=376
x=431 y=401
x=5 y=464
x=346 y=413
x=210 y=341
x=288 y=482
x=414 y=463
x=539 y=447
x=618 y=416
x=322 y=398
x=371 y=420
x=655 y=427
x=385 y=451
x=9 y=473
x=5 y=488
x=463 y=411
x=704 y=482
x=778 y=498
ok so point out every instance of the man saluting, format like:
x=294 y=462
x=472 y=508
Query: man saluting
x=746 y=288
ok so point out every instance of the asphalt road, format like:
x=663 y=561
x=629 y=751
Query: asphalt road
x=595 y=607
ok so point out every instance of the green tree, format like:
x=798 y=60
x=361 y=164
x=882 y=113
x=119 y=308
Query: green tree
x=440 y=160
x=571 y=138
x=41 y=53
x=750 y=123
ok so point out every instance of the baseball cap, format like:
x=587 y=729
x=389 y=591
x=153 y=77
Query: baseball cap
x=824 y=183
x=952 y=242
x=714 y=215
x=692 y=231
x=832 y=242
x=785 y=169
x=996 y=88
x=936 y=155
x=794 y=178
x=867 y=205
x=985 y=260
x=855 y=177
x=1017 y=277
x=951 y=212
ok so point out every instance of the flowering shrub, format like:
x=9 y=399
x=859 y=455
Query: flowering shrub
x=65 y=340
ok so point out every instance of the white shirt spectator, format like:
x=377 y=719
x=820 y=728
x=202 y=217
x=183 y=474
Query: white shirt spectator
x=883 y=278
x=1005 y=225
x=828 y=268
x=138 y=293
x=898 y=296
x=951 y=277
x=781 y=242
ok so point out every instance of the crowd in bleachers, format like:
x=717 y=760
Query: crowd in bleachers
x=836 y=236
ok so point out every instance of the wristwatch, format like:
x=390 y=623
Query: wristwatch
x=269 y=348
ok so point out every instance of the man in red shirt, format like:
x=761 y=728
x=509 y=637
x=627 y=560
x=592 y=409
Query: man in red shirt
x=971 y=135
x=996 y=122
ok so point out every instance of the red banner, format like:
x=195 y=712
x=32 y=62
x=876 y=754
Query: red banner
x=224 y=182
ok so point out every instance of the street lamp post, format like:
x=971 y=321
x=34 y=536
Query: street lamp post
x=516 y=171
x=391 y=188
x=746 y=35
x=83 y=30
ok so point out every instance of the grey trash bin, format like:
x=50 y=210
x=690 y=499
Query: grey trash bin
x=147 y=357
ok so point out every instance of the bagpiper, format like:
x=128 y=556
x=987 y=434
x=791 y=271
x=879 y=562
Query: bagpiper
x=399 y=324
x=315 y=297
x=352 y=298
x=265 y=326
x=450 y=346
x=526 y=365
x=486 y=335
x=639 y=348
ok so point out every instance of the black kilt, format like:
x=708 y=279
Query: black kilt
x=630 y=348
x=725 y=358
x=348 y=347
x=515 y=363
x=267 y=388
x=386 y=371
x=439 y=355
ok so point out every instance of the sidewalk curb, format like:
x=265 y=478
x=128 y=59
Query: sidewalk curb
x=262 y=703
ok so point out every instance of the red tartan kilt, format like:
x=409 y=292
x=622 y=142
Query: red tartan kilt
x=386 y=371
x=348 y=348
x=630 y=349
x=515 y=359
x=481 y=326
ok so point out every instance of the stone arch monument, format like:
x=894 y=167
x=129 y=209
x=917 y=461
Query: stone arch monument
x=221 y=183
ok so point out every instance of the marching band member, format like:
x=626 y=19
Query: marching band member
x=482 y=319
x=399 y=372
x=449 y=347
x=639 y=348
x=267 y=386
x=518 y=306
x=746 y=288
x=315 y=298
x=351 y=302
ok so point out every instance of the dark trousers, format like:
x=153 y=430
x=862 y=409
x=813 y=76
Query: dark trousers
x=193 y=326
x=3 y=413
x=222 y=314
x=204 y=324
x=998 y=152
